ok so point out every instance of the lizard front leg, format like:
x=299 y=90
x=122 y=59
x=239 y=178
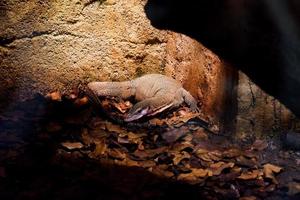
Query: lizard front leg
x=189 y=100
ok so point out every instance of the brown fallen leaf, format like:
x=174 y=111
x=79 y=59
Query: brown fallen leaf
x=209 y=156
x=232 y=175
x=201 y=173
x=116 y=154
x=248 y=175
x=182 y=117
x=161 y=171
x=269 y=171
x=178 y=157
x=243 y=161
x=156 y=122
x=248 y=198
x=135 y=138
x=215 y=155
x=114 y=128
x=146 y=163
x=97 y=123
x=72 y=145
x=149 y=153
x=123 y=140
x=294 y=188
x=190 y=178
x=199 y=135
x=182 y=146
x=81 y=102
x=218 y=167
x=250 y=154
x=54 y=96
x=231 y=153
x=174 y=134
x=101 y=149
x=259 y=145
x=123 y=106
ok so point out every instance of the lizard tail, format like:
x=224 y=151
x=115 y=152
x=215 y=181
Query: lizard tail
x=123 y=89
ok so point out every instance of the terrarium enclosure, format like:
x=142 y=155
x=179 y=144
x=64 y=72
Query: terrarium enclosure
x=55 y=144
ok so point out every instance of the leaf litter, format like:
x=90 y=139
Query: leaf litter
x=172 y=145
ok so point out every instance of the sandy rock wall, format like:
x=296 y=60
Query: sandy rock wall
x=259 y=114
x=205 y=76
x=57 y=44
x=53 y=44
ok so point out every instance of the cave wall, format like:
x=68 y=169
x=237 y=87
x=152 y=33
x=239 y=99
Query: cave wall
x=58 y=44
x=259 y=114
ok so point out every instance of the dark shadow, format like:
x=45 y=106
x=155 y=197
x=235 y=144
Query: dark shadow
x=259 y=37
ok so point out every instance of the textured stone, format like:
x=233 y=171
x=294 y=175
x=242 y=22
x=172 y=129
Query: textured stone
x=58 y=44
x=259 y=114
x=205 y=76
x=49 y=45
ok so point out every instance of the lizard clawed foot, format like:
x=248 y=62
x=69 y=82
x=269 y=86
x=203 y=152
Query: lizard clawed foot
x=195 y=108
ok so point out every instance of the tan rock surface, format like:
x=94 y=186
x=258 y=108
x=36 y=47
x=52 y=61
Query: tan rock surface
x=57 y=44
x=259 y=114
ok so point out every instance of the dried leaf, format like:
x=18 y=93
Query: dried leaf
x=182 y=146
x=269 y=171
x=114 y=128
x=218 y=167
x=243 y=161
x=190 y=178
x=184 y=116
x=250 y=154
x=208 y=156
x=81 y=102
x=248 y=175
x=294 y=188
x=72 y=145
x=200 y=135
x=135 y=138
x=259 y=145
x=123 y=140
x=232 y=175
x=117 y=154
x=122 y=106
x=174 y=134
x=97 y=123
x=160 y=171
x=178 y=157
x=231 y=153
x=146 y=163
x=201 y=173
x=101 y=148
x=157 y=122
x=54 y=96
x=248 y=198
x=215 y=155
x=150 y=153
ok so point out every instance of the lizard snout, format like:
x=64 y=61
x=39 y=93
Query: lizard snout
x=137 y=114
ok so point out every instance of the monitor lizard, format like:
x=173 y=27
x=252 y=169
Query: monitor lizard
x=154 y=93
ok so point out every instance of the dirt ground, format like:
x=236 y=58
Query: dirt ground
x=60 y=147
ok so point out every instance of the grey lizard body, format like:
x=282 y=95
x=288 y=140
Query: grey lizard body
x=154 y=93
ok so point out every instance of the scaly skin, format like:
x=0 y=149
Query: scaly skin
x=154 y=93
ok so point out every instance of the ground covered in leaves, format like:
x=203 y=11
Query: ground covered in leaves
x=59 y=147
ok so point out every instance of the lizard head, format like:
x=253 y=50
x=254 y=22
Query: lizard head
x=136 y=113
